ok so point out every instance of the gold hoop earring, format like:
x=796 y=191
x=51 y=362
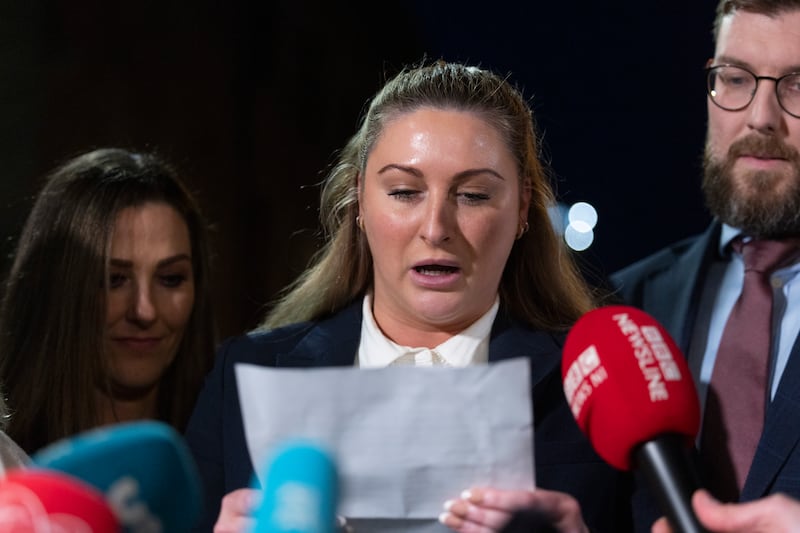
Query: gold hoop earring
x=360 y=222
x=523 y=229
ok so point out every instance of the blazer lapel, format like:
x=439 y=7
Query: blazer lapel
x=334 y=342
x=331 y=342
x=670 y=299
x=509 y=341
x=780 y=435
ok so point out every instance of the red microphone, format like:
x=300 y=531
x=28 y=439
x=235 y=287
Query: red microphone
x=631 y=392
x=33 y=500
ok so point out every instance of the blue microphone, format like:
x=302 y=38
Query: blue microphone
x=144 y=469
x=301 y=489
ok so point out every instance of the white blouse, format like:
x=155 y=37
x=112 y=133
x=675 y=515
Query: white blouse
x=469 y=347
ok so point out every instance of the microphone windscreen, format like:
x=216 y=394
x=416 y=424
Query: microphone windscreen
x=627 y=382
x=144 y=469
x=301 y=489
x=33 y=500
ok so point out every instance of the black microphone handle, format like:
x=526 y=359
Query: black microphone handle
x=528 y=521
x=667 y=466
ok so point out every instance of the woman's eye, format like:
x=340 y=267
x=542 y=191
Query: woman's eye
x=173 y=280
x=474 y=197
x=403 y=194
x=116 y=280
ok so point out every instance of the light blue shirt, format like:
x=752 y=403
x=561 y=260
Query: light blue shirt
x=721 y=292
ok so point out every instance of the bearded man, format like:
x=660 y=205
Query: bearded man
x=731 y=296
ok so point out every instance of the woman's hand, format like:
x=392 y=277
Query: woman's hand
x=776 y=513
x=487 y=510
x=236 y=512
x=236 y=515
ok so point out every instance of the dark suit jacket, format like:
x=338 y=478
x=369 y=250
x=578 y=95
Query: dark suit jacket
x=565 y=460
x=668 y=285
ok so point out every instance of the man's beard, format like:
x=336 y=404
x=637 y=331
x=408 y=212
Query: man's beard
x=762 y=203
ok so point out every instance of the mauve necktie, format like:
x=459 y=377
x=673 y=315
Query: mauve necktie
x=735 y=405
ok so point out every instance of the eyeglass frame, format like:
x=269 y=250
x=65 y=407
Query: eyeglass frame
x=712 y=68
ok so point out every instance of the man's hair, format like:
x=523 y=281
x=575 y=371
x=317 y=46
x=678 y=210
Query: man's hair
x=770 y=8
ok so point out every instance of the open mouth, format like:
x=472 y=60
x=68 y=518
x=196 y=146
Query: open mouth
x=435 y=270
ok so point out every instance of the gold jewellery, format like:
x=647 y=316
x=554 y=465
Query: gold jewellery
x=523 y=229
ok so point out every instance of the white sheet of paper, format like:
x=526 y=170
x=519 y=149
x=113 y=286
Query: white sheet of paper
x=405 y=439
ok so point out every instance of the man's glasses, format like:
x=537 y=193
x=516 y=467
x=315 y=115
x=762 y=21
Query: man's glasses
x=732 y=88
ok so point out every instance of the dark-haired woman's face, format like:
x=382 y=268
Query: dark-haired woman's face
x=150 y=294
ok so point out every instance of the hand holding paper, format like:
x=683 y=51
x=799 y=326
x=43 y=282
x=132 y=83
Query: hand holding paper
x=405 y=439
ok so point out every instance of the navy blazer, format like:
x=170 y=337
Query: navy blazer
x=668 y=285
x=565 y=460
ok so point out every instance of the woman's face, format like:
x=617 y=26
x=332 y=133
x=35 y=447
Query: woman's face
x=150 y=293
x=441 y=206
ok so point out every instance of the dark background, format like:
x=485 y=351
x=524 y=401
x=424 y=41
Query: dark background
x=251 y=99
